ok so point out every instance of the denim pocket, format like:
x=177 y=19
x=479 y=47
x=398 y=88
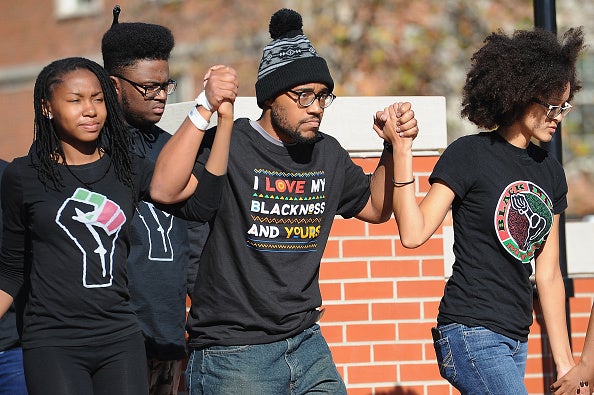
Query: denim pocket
x=226 y=350
x=445 y=360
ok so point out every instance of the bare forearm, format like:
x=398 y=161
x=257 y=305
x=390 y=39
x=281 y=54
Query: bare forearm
x=172 y=178
x=406 y=209
x=552 y=301
x=381 y=190
x=219 y=156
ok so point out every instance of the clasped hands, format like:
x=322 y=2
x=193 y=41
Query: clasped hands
x=395 y=122
x=221 y=86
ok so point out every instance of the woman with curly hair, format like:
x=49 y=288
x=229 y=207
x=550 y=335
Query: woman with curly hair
x=506 y=195
x=66 y=212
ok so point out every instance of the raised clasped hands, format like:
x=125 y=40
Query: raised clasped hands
x=220 y=86
x=396 y=124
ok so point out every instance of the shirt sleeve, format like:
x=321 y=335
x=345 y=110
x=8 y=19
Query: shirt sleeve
x=560 y=197
x=356 y=189
x=205 y=201
x=452 y=167
x=12 y=253
x=143 y=172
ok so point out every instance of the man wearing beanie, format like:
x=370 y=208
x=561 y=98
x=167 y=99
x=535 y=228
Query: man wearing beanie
x=253 y=325
x=136 y=55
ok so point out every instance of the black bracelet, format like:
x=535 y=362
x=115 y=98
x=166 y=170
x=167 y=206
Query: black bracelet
x=401 y=184
x=388 y=147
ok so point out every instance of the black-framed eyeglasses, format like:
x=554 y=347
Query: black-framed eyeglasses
x=306 y=98
x=554 y=111
x=149 y=92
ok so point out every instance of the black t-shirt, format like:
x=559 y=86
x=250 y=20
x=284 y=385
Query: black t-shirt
x=70 y=247
x=503 y=210
x=258 y=273
x=158 y=265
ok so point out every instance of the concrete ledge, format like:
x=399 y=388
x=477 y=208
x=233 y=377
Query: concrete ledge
x=349 y=119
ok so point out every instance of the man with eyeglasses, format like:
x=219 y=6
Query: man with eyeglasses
x=253 y=325
x=136 y=55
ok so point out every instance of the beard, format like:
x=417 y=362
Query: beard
x=281 y=125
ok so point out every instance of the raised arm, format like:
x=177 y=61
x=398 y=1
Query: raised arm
x=173 y=180
x=416 y=222
x=379 y=208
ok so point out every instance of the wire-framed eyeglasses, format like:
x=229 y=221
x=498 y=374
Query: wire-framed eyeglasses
x=149 y=92
x=554 y=111
x=306 y=98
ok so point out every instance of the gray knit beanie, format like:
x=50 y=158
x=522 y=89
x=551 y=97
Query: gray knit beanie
x=289 y=60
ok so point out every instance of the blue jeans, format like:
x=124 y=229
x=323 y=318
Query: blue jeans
x=476 y=360
x=298 y=365
x=12 y=374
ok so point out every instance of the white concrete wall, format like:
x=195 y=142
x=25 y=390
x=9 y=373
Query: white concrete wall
x=349 y=119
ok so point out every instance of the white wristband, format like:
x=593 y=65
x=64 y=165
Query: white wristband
x=201 y=100
x=197 y=119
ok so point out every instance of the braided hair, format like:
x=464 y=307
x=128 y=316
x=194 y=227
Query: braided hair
x=47 y=150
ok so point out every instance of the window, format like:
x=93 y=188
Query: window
x=76 y=8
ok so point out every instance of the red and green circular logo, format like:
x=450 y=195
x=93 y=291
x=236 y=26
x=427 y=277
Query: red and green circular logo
x=523 y=219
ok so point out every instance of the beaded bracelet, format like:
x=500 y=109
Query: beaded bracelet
x=401 y=184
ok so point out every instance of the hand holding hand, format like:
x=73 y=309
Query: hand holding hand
x=220 y=85
x=225 y=109
x=572 y=382
x=396 y=122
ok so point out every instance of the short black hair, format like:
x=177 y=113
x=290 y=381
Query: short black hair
x=126 y=43
x=507 y=72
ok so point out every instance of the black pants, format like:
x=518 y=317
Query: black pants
x=117 y=368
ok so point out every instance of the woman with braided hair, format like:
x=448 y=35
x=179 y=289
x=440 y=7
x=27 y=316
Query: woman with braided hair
x=66 y=213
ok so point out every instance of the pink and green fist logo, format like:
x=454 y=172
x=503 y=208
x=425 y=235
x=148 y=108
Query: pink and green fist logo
x=93 y=222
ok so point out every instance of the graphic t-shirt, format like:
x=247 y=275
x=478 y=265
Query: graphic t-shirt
x=158 y=265
x=69 y=247
x=503 y=211
x=258 y=273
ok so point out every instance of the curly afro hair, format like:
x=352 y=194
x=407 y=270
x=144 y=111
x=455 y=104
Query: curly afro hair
x=126 y=43
x=509 y=71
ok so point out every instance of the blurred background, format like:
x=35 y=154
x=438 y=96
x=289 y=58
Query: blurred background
x=373 y=47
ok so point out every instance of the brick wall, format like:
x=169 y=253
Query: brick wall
x=381 y=300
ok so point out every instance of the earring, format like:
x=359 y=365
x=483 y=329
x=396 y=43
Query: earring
x=49 y=115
